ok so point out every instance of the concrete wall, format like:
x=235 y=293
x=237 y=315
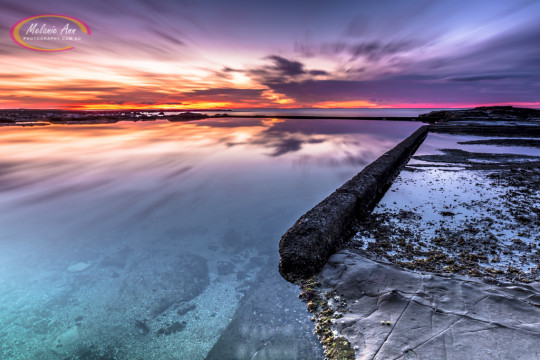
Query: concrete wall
x=318 y=234
x=487 y=130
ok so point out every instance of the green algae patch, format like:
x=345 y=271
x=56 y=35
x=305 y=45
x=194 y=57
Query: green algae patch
x=335 y=347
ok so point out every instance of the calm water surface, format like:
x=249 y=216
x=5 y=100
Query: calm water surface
x=324 y=112
x=158 y=240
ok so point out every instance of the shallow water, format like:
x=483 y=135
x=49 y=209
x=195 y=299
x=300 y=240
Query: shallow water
x=159 y=240
x=445 y=207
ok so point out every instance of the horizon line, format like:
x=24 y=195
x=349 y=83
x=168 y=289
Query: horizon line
x=532 y=106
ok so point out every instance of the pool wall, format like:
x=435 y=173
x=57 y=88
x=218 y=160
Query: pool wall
x=317 y=234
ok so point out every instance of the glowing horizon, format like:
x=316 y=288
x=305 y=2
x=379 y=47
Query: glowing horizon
x=215 y=107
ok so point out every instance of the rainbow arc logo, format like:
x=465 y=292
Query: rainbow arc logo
x=31 y=31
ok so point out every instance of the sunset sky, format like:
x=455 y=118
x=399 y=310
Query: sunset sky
x=250 y=54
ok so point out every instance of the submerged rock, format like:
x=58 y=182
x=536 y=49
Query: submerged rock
x=78 y=267
x=172 y=328
x=225 y=267
x=141 y=327
x=66 y=342
x=162 y=279
x=183 y=310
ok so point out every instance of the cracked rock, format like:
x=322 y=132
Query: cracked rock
x=431 y=316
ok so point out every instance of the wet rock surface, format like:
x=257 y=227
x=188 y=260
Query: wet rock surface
x=472 y=213
x=462 y=157
x=483 y=113
x=426 y=316
x=505 y=142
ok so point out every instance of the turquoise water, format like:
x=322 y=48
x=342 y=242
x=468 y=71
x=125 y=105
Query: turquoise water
x=158 y=240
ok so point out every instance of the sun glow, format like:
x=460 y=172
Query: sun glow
x=277 y=98
x=165 y=106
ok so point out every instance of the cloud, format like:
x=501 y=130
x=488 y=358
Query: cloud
x=230 y=123
x=318 y=72
x=228 y=69
x=462 y=69
x=372 y=51
x=377 y=50
x=474 y=78
x=156 y=97
x=286 y=67
x=225 y=92
x=231 y=95
x=283 y=70
x=172 y=39
x=283 y=142
x=282 y=146
x=401 y=90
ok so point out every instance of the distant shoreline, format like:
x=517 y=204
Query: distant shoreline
x=46 y=117
x=309 y=117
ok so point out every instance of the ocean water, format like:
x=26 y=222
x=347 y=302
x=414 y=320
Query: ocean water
x=323 y=112
x=159 y=240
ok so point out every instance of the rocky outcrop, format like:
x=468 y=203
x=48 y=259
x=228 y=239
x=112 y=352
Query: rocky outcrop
x=488 y=130
x=389 y=313
x=187 y=116
x=483 y=113
x=307 y=245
